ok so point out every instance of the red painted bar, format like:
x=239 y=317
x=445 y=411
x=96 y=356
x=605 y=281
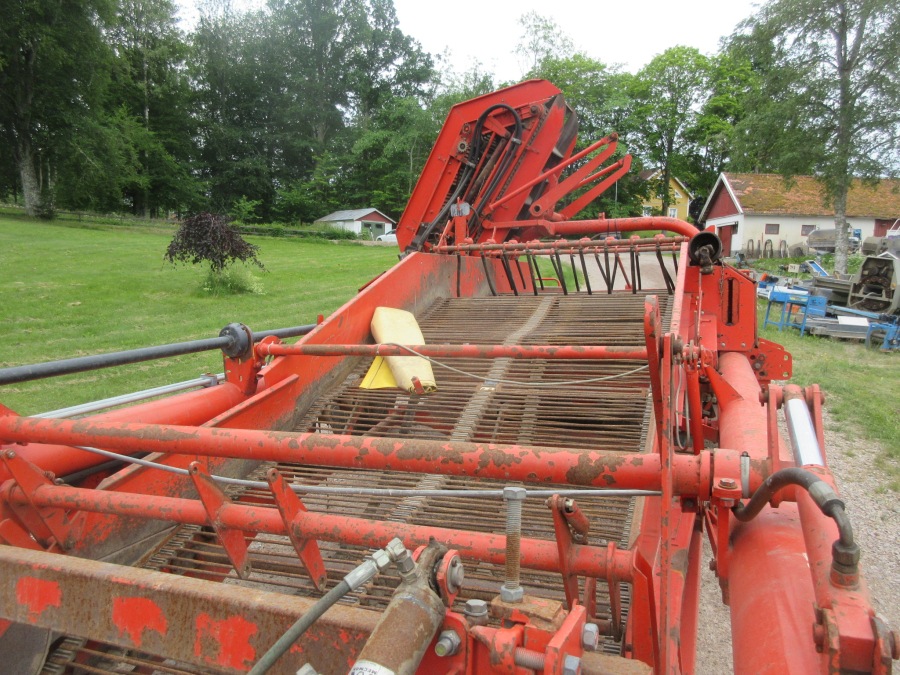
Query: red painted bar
x=648 y=244
x=189 y=408
x=460 y=351
x=599 y=226
x=536 y=553
x=486 y=460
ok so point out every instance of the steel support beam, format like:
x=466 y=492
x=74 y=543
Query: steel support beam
x=486 y=460
x=190 y=620
x=536 y=553
x=460 y=351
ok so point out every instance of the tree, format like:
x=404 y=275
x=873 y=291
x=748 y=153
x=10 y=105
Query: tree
x=712 y=135
x=541 y=39
x=830 y=83
x=53 y=70
x=150 y=84
x=208 y=237
x=667 y=94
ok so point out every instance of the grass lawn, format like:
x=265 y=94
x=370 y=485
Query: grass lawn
x=70 y=290
x=861 y=385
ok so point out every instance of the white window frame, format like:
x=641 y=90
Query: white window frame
x=647 y=211
x=673 y=212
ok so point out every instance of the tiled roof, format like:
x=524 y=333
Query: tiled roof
x=767 y=193
x=349 y=214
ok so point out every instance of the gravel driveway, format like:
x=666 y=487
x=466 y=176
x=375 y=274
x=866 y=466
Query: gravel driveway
x=875 y=514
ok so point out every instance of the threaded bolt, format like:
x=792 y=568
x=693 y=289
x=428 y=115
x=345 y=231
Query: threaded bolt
x=528 y=658
x=513 y=497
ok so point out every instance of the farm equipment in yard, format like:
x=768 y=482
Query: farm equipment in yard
x=542 y=511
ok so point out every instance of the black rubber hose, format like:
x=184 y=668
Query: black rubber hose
x=821 y=492
x=299 y=628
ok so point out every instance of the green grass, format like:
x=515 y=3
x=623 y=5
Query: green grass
x=861 y=386
x=72 y=289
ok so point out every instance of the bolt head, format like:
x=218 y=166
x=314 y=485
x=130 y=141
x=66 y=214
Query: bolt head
x=476 y=607
x=590 y=637
x=571 y=665
x=307 y=669
x=455 y=574
x=512 y=594
x=727 y=483
x=514 y=493
x=448 y=643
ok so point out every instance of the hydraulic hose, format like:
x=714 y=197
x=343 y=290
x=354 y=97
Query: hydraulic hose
x=845 y=552
x=299 y=628
x=378 y=562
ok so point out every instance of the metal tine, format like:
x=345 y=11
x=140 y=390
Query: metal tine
x=670 y=285
x=587 y=282
x=559 y=269
x=509 y=274
x=615 y=269
x=534 y=283
x=602 y=271
x=521 y=275
x=633 y=278
x=675 y=260
x=487 y=275
x=574 y=273
x=637 y=267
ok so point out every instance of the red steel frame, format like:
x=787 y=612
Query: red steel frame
x=709 y=349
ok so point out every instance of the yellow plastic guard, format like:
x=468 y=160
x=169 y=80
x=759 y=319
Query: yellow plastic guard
x=400 y=327
x=379 y=376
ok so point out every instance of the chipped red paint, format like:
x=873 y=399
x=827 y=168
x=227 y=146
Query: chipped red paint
x=135 y=615
x=487 y=460
x=231 y=635
x=37 y=595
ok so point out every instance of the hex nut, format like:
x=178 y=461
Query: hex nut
x=590 y=637
x=475 y=607
x=448 y=643
x=514 y=493
x=512 y=594
x=382 y=560
x=571 y=665
x=401 y=557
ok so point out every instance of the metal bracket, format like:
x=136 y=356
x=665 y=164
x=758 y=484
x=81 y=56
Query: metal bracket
x=213 y=500
x=289 y=505
x=48 y=526
x=615 y=595
x=564 y=546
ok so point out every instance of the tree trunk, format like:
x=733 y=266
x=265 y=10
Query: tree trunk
x=31 y=188
x=840 y=224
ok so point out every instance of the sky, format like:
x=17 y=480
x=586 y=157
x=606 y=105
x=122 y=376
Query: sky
x=629 y=33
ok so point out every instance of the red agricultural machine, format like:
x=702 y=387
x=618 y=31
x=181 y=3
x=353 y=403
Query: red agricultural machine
x=542 y=511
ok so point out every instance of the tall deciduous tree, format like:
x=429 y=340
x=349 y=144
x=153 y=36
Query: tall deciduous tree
x=830 y=85
x=53 y=65
x=541 y=39
x=150 y=83
x=668 y=93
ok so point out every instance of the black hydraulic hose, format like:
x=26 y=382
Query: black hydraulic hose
x=845 y=552
x=472 y=159
x=299 y=628
x=96 y=362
